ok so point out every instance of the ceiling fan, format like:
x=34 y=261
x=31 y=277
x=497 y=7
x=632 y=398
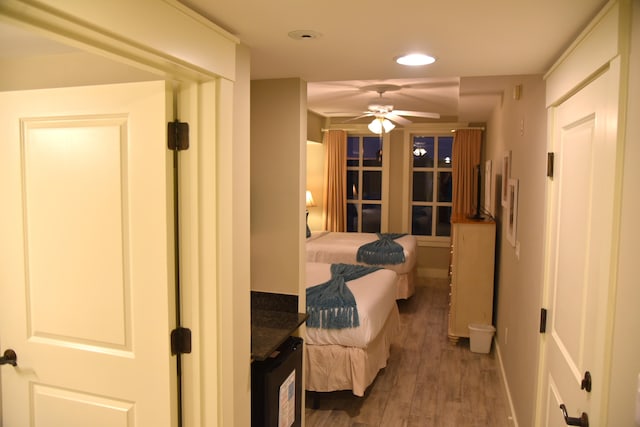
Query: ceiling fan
x=384 y=114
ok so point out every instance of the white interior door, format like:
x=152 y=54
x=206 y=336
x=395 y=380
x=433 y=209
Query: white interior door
x=86 y=270
x=581 y=227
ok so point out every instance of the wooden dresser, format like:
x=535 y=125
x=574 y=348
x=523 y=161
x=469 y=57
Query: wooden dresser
x=471 y=274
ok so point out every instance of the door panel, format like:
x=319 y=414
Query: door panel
x=86 y=267
x=52 y=406
x=581 y=198
x=568 y=325
x=78 y=297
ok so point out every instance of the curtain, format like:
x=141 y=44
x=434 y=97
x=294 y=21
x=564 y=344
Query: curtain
x=466 y=156
x=335 y=181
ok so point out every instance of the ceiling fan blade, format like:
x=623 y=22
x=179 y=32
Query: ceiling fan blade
x=395 y=118
x=417 y=114
x=359 y=117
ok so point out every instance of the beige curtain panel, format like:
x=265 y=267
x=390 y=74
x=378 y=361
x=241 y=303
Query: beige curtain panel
x=335 y=182
x=466 y=155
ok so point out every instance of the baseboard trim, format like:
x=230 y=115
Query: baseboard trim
x=505 y=383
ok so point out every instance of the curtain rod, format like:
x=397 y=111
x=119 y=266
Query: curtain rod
x=468 y=128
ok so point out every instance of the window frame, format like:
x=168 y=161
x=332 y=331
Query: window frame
x=423 y=129
x=361 y=133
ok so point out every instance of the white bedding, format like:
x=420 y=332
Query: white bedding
x=335 y=247
x=375 y=296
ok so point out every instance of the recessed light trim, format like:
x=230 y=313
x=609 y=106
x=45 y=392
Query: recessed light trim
x=304 y=34
x=415 y=59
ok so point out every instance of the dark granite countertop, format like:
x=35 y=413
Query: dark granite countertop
x=269 y=329
x=274 y=317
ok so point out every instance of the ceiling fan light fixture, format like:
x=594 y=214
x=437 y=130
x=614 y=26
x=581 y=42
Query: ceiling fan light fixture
x=375 y=126
x=415 y=59
x=380 y=124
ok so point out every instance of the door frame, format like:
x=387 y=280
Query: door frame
x=603 y=45
x=216 y=217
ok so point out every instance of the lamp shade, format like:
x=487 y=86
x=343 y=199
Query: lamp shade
x=375 y=126
x=379 y=124
x=387 y=125
x=310 y=202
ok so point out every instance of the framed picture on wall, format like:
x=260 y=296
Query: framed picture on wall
x=488 y=188
x=512 y=210
x=506 y=174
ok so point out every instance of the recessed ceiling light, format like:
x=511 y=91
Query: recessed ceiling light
x=415 y=59
x=304 y=34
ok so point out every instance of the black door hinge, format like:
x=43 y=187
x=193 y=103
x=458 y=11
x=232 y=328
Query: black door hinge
x=178 y=135
x=181 y=341
x=543 y=320
x=550 y=157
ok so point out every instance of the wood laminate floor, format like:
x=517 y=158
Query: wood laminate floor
x=428 y=380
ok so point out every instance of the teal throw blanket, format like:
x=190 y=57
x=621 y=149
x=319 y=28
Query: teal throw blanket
x=331 y=305
x=382 y=251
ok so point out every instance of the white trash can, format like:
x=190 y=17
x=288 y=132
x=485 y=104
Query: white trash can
x=480 y=337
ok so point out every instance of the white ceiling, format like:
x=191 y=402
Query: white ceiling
x=358 y=41
x=476 y=44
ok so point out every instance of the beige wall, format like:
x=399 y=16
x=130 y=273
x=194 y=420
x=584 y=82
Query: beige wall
x=433 y=261
x=520 y=126
x=625 y=362
x=315 y=183
x=278 y=157
x=314 y=126
x=315 y=168
x=396 y=176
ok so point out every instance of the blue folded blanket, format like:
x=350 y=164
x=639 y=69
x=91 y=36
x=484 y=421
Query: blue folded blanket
x=331 y=305
x=382 y=251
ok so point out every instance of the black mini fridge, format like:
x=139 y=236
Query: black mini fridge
x=276 y=387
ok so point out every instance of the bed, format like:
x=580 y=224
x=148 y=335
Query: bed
x=332 y=247
x=349 y=359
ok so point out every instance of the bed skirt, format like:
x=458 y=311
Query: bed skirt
x=406 y=284
x=334 y=367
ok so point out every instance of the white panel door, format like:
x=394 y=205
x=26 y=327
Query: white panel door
x=581 y=227
x=86 y=270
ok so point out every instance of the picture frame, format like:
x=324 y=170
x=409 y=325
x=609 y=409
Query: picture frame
x=506 y=174
x=511 y=219
x=488 y=188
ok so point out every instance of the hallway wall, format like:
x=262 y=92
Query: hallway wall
x=519 y=126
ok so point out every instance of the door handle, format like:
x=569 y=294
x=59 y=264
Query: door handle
x=573 y=421
x=586 y=382
x=9 y=358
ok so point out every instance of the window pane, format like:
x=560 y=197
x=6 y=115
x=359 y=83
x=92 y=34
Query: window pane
x=353 y=151
x=423 y=151
x=352 y=217
x=421 y=220
x=352 y=185
x=371 y=185
x=445 y=187
x=371 y=218
x=445 y=147
x=372 y=151
x=423 y=186
x=443 y=221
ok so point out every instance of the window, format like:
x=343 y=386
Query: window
x=431 y=185
x=364 y=183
